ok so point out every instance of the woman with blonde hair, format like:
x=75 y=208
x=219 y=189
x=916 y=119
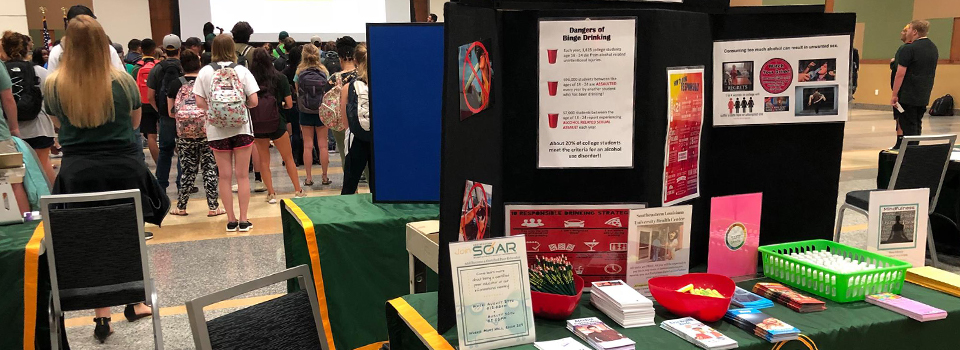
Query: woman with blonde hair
x=355 y=107
x=98 y=109
x=311 y=84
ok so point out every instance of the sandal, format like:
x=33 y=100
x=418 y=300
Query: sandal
x=326 y=181
x=308 y=182
x=179 y=212
x=216 y=212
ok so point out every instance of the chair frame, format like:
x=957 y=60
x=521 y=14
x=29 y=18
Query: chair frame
x=56 y=312
x=198 y=322
x=893 y=181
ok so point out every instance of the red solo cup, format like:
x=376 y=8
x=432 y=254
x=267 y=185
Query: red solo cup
x=554 y=119
x=552 y=56
x=552 y=85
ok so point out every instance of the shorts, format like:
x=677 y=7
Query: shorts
x=149 y=118
x=14 y=171
x=39 y=142
x=308 y=119
x=281 y=130
x=231 y=143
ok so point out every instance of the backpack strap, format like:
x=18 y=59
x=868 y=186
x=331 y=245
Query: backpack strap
x=183 y=81
x=216 y=66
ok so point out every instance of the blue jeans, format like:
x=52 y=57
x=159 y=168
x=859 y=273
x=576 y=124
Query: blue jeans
x=168 y=146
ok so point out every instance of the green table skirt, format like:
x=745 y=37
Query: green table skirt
x=357 y=253
x=413 y=318
x=24 y=288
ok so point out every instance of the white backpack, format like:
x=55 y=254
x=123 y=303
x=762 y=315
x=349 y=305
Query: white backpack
x=227 y=100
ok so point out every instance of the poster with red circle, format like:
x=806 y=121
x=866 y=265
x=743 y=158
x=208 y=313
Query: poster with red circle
x=776 y=75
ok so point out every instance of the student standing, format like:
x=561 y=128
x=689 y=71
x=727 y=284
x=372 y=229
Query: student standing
x=311 y=83
x=282 y=48
x=346 y=47
x=893 y=77
x=158 y=85
x=36 y=129
x=916 y=71
x=57 y=51
x=241 y=37
x=269 y=124
x=133 y=52
x=218 y=88
x=355 y=106
x=150 y=118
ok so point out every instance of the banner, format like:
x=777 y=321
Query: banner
x=681 y=163
x=586 y=79
x=781 y=81
x=592 y=237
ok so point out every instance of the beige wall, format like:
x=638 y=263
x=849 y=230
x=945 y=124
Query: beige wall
x=123 y=19
x=925 y=9
x=746 y=2
x=13 y=16
x=436 y=7
x=877 y=77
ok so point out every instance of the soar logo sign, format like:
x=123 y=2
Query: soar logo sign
x=494 y=248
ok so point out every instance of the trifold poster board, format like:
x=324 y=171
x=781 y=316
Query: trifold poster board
x=492 y=293
x=587 y=68
x=592 y=237
x=659 y=244
x=781 y=81
x=898 y=224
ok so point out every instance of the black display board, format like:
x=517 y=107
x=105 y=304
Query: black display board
x=796 y=166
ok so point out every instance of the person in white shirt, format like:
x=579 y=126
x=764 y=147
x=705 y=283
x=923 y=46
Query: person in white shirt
x=54 y=61
x=230 y=144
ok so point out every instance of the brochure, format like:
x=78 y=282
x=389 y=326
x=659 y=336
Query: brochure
x=659 y=244
x=897 y=225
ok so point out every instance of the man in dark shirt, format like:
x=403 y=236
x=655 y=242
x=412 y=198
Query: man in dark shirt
x=916 y=70
x=893 y=77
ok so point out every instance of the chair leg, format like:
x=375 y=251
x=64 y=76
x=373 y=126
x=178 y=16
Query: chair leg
x=157 y=328
x=836 y=232
x=932 y=245
x=54 y=323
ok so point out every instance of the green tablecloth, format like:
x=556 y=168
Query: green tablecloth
x=357 y=252
x=21 y=275
x=857 y=325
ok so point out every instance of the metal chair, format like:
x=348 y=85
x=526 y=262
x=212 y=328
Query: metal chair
x=97 y=255
x=921 y=163
x=291 y=321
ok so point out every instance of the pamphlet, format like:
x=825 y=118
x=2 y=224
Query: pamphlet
x=491 y=291
x=897 y=225
x=681 y=163
x=475 y=213
x=734 y=234
x=659 y=244
x=598 y=334
x=592 y=237
x=908 y=307
x=567 y=343
x=698 y=333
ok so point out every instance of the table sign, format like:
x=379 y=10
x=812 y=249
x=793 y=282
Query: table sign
x=491 y=293
x=734 y=234
x=898 y=224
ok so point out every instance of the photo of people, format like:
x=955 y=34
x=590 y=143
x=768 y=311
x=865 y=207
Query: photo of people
x=664 y=241
x=817 y=70
x=476 y=78
x=737 y=76
x=817 y=100
x=475 y=213
x=898 y=225
x=776 y=104
x=599 y=333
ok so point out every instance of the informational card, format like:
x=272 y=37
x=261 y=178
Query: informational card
x=592 y=237
x=781 y=81
x=898 y=224
x=659 y=244
x=476 y=78
x=681 y=163
x=586 y=76
x=475 y=212
x=491 y=291
x=734 y=234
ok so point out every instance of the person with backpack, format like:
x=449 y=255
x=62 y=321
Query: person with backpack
x=192 y=149
x=346 y=46
x=150 y=119
x=311 y=83
x=241 y=37
x=8 y=129
x=158 y=85
x=282 y=58
x=282 y=47
x=355 y=106
x=268 y=122
x=226 y=90
x=36 y=128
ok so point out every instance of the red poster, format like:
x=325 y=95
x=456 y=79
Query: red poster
x=592 y=237
x=681 y=168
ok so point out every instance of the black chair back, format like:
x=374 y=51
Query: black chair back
x=282 y=323
x=923 y=165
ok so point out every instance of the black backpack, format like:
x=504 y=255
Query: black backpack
x=170 y=71
x=942 y=106
x=332 y=61
x=26 y=89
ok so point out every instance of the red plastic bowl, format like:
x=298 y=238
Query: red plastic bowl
x=556 y=306
x=705 y=309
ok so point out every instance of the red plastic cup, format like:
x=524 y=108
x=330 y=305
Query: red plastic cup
x=552 y=56
x=554 y=119
x=552 y=85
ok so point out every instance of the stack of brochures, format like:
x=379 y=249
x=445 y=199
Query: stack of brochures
x=743 y=298
x=560 y=344
x=907 y=307
x=936 y=279
x=622 y=303
x=699 y=334
x=786 y=296
x=762 y=325
x=599 y=335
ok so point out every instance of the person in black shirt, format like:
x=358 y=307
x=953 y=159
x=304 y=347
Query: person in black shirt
x=893 y=77
x=916 y=70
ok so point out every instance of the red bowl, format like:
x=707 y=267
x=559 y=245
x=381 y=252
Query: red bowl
x=556 y=306
x=705 y=309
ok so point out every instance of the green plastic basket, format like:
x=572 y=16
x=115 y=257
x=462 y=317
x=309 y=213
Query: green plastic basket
x=839 y=287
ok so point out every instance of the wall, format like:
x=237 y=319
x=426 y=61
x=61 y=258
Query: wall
x=436 y=7
x=877 y=77
x=13 y=16
x=123 y=19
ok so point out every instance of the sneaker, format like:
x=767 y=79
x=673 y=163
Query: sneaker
x=272 y=198
x=245 y=226
x=147 y=235
x=235 y=188
x=300 y=194
x=258 y=186
x=232 y=226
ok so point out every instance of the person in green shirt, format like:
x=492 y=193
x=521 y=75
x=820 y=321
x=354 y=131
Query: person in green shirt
x=281 y=49
x=8 y=129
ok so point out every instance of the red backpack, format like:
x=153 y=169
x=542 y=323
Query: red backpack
x=142 y=74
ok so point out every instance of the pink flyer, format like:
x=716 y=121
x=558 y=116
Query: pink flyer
x=734 y=234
